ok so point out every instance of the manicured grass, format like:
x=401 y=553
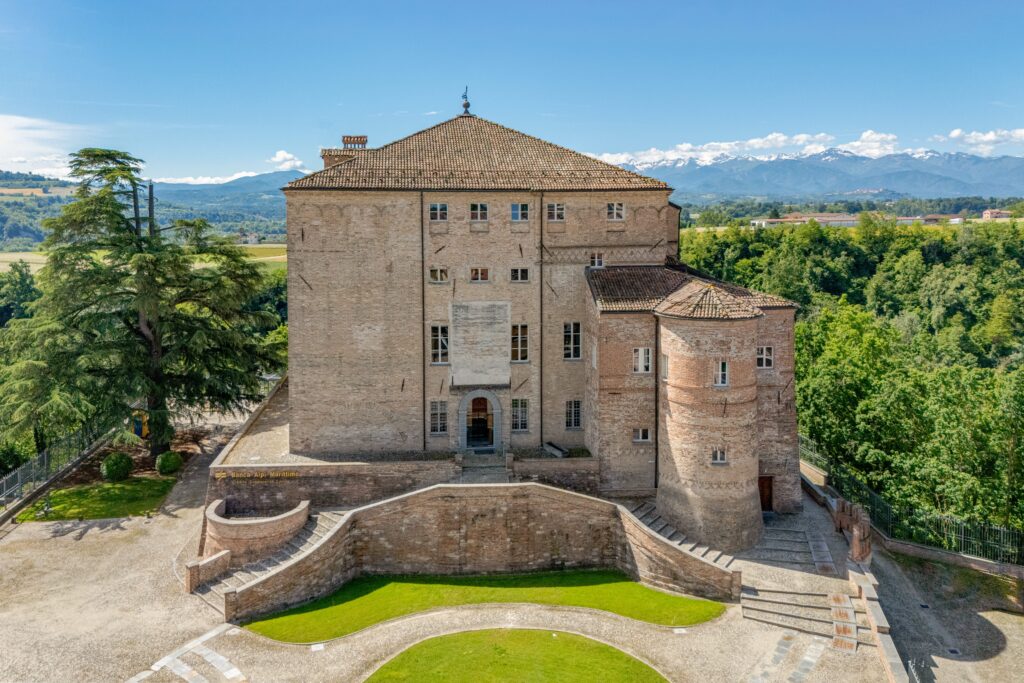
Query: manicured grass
x=264 y=250
x=514 y=655
x=372 y=599
x=132 y=497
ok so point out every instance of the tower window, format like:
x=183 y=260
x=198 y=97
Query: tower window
x=718 y=455
x=765 y=357
x=664 y=366
x=597 y=260
x=477 y=212
x=641 y=434
x=721 y=373
x=438 y=212
x=642 y=360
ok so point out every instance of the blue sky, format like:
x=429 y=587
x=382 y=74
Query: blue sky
x=218 y=88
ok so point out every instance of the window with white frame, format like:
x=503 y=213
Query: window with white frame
x=438 y=212
x=556 y=212
x=642 y=359
x=721 y=378
x=438 y=275
x=664 y=366
x=439 y=417
x=571 y=338
x=616 y=211
x=520 y=343
x=765 y=356
x=596 y=260
x=438 y=343
x=479 y=275
x=520 y=275
x=641 y=434
x=574 y=414
x=520 y=212
x=477 y=212
x=718 y=455
x=520 y=415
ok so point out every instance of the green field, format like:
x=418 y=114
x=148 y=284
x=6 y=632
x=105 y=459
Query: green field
x=514 y=655
x=373 y=599
x=270 y=256
x=132 y=497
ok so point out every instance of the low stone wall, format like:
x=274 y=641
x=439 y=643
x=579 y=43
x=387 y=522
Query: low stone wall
x=486 y=528
x=578 y=474
x=345 y=484
x=198 y=572
x=250 y=538
x=935 y=554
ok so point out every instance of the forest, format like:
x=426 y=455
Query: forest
x=910 y=351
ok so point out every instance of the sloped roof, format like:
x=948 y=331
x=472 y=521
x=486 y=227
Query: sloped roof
x=676 y=290
x=470 y=153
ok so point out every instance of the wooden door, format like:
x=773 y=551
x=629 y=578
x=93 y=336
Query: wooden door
x=764 y=487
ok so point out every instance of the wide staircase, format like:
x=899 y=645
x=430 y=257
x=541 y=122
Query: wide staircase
x=840 y=617
x=317 y=526
x=647 y=513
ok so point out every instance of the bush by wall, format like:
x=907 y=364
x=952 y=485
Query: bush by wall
x=116 y=466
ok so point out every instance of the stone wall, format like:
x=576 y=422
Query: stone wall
x=488 y=528
x=577 y=474
x=250 y=538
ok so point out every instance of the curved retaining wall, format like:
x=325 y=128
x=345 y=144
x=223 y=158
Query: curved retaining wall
x=485 y=528
x=250 y=538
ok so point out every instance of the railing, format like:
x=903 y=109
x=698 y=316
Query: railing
x=917 y=525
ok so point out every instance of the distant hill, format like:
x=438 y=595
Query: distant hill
x=837 y=174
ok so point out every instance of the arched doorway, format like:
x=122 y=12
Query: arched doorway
x=479 y=421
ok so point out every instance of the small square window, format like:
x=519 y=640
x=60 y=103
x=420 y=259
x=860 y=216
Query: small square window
x=439 y=417
x=616 y=211
x=520 y=343
x=556 y=212
x=438 y=275
x=596 y=260
x=642 y=360
x=438 y=212
x=765 y=357
x=520 y=415
x=520 y=275
x=641 y=434
x=574 y=414
x=439 y=344
x=718 y=456
x=721 y=373
x=520 y=212
x=477 y=212
x=479 y=275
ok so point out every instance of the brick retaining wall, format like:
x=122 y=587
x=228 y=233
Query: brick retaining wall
x=578 y=474
x=252 y=538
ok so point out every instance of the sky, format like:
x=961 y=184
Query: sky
x=207 y=91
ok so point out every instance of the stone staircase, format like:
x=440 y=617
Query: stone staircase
x=837 y=616
x=479 y=468
x=647 y=513
x=315 y=529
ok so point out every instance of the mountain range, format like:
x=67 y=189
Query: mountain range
x=838 y=174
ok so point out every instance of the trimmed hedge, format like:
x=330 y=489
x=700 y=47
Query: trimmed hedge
x=116 y=466
x=168 y=462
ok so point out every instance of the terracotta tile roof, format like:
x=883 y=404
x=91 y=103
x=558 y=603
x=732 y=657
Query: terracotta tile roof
x=676 y=290
x=471 y=153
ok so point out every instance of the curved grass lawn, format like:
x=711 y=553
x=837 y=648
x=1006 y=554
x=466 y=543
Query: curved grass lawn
x=514 y=655
x=132 y=497
x=372 y=599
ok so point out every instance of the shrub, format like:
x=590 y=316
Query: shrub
x=168 y=462
x=578 y=452
x=116 y=466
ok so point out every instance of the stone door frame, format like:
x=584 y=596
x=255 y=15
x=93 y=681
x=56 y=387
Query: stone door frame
x=464 y=404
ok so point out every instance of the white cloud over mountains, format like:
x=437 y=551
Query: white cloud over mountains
x=286 y=161
x=36 y=145
x=806 y=143
x=207 y=179
x=983 y=142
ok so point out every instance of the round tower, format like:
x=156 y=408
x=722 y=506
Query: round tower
x=707 y=422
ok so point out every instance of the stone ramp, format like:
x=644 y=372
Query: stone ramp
x=648 y=515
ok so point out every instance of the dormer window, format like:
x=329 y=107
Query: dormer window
x=477 y=212
x=438 y=212
x=616 y=211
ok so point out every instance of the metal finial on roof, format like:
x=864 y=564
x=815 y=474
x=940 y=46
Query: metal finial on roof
x=465 y=101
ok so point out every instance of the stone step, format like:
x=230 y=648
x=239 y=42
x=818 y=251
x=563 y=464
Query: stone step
x=650 y=516
x=724 y=560
x=816 y=628
x=642 y=509
x=659 y=524
x=668 y=531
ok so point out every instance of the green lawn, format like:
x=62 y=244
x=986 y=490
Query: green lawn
x=372 y=599
x=514 y=655
x=131 y=497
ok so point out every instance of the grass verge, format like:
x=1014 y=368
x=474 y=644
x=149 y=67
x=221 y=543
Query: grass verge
x=129 y=498
x=514 y=655
x=372 y=599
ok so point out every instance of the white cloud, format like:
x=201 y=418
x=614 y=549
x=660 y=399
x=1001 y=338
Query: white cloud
x=873 y=144
x=285 y=161
x=769 y=145
x=985 y=142
x=40 y=145
x=207 y=179
x=431 y=113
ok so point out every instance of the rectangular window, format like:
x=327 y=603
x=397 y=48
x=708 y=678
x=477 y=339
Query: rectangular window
x=479 y=275
x=597 y=260
x=642 y=360
x=616 y=211
x=718 y=456
x=573 y=414
x=520 y=212
x=765 y=356
x=438 y=343
x=438 y=212
x=664 y=366
x=571 y=339
x=477 y=212
x=556 y=212
x=520 y=415
x=439 y=417
x=721 y=373
x=520 y=343
x=438 y=275
x=641 y=434
x=520 y=275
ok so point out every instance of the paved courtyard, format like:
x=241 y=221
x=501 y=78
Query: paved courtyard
x=100 y=601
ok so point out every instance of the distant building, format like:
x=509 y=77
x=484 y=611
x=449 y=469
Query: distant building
x=832 y=220
x=993 y=214
x=931 y=219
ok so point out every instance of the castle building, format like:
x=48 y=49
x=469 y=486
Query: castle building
x=473 y=289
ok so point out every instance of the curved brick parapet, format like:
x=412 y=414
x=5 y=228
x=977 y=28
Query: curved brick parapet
x=475 y=529
x=249 y=538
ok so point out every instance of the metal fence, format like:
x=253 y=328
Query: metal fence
x=917 y=525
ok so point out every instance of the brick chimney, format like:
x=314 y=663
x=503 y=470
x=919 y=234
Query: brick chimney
x=350 y=146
